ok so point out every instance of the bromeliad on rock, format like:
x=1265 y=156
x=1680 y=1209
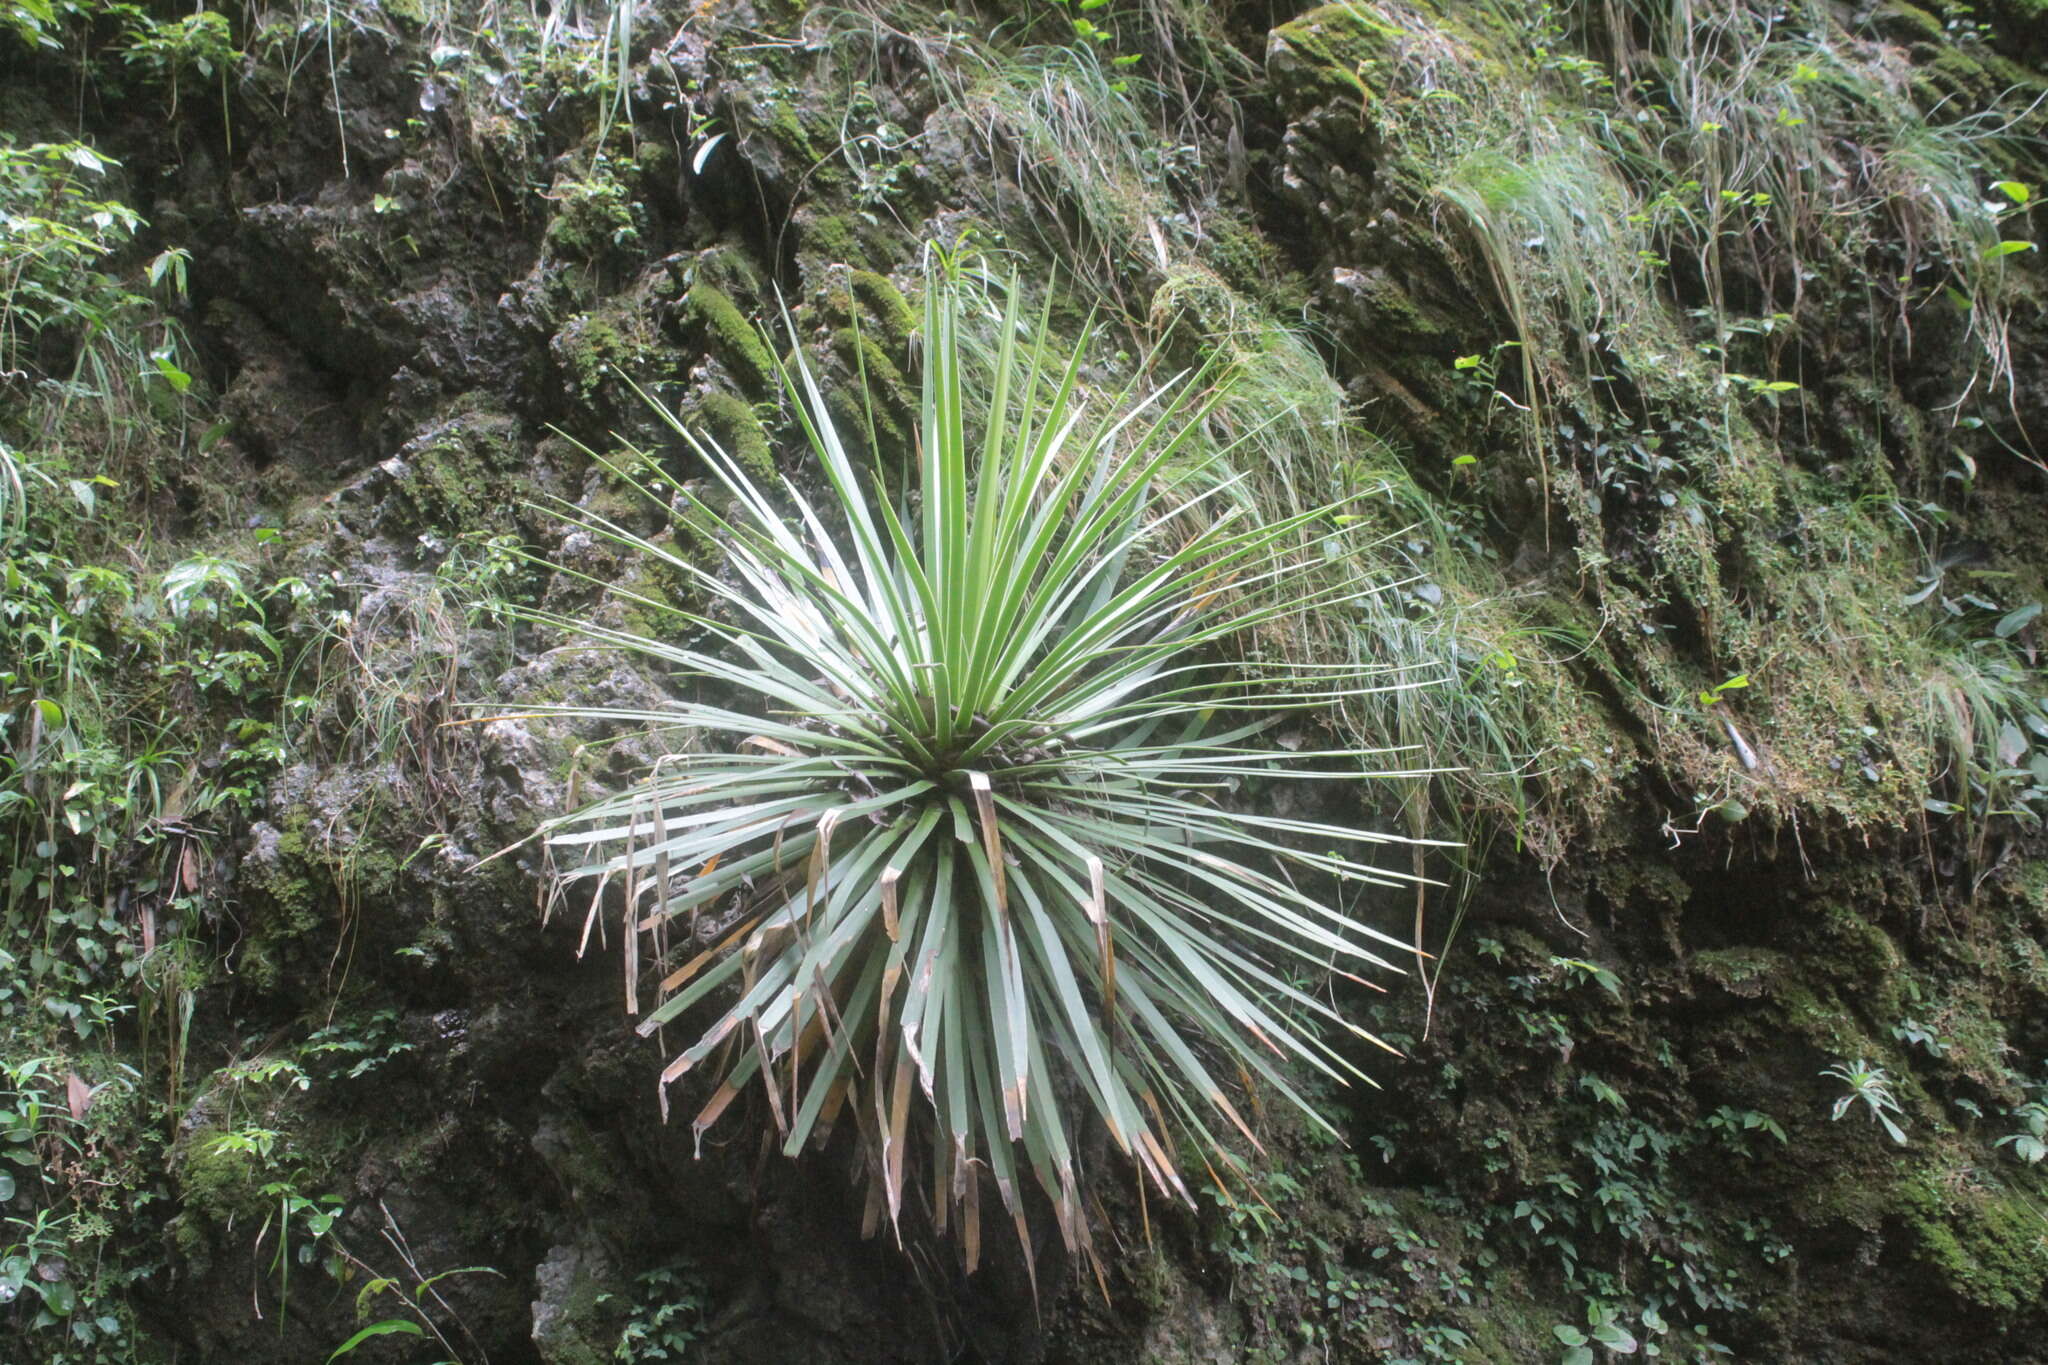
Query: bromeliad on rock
x=965 y=834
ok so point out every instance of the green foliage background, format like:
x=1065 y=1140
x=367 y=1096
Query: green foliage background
x=1679 y=365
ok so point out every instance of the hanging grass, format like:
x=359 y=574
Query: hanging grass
x=965 y=819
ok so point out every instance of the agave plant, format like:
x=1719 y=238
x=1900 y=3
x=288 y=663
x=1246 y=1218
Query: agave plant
x=961 y=830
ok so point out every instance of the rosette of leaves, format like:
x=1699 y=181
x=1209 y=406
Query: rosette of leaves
x=962 y=831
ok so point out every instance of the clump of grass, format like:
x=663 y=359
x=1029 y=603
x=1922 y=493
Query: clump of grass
x=1778 y=145
x=1547 y=220
x=1983 y=712
x=1093 y=143
x=1491 y=724
x=75 y=332
x=1055 y=123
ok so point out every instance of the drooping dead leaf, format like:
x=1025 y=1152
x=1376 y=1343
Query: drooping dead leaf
x=895 y=1143
x=991 y=837
x=1098 y=915
x=821 y=861
x=632 y=924
x=77 y=1095
x=890 y=877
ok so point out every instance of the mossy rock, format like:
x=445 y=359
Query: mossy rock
x=891 y=400
x=288 y=895
x=1908 y=24
x=2019 y=26
x=464 y=474
x=1951 y=79
x=218 y=1181
x=829 y=239
x=1247 y=260
x=729 y=421
x=728 y=268
x=732 y=338
x=580 y=1309
x=650 y=590
x=595 y=217
x=795 y=124
x=221 y=1185
x=657 y=173
x=1747 y=972
x=1988 y=1247
x=1858 y=953
x=590 y=348
x=696 y=536
x=882 y=309
x=1333 y=51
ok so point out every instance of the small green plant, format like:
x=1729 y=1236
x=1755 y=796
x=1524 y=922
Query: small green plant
x=601 y=64
x=1913 y=1032
x=205 y=587
x=1735 y=1124
x=2029 y=1142
x=251 y=1140
x=311 y=1218
x=419 y=1320
x=1873 y=1087
x=1577 y=969
x=58 y=232
x=667 y=1315
x=51 y=1177
x=346 y=1051
x=1480 y=373
x=1604 y=1093
x=1603 y=1328
x=411 y=1298
x=1715 y=695
x=595 y=215
x=1988 y=723
x=1770 y=390
x=199 y=44
x=1082 y=17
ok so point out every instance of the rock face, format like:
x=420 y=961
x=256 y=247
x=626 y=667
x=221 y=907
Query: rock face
x=1713 y=400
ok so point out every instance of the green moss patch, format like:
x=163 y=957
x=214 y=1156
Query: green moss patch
x=1988 y=1247
x=729 y=420
x=732 y=338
